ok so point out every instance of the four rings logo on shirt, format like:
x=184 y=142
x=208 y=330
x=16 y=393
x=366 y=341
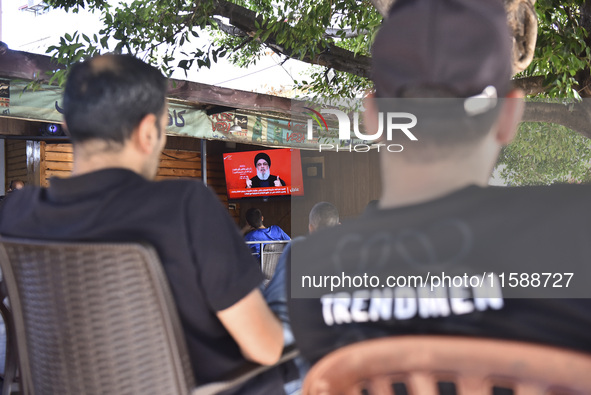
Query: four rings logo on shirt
x=392 y=124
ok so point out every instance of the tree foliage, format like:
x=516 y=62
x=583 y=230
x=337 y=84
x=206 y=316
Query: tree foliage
x=331 y=34
x=544 y=154
x=562 y=52
x=335 y=36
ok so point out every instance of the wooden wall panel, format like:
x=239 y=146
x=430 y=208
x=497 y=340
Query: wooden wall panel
x=56 y=162
x=351 y=181
x=16 y=161
x=176 y=164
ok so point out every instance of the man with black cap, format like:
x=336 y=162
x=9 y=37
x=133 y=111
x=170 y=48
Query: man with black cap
x=399 y=269
x=263 y=179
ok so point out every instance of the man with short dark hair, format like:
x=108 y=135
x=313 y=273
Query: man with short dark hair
x=259 y=232
x=448 y=63
x=323 y=215
x=115 y=111
x=264 y=178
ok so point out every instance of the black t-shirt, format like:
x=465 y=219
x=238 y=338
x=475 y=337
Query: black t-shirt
x=476 y=230
x=201 y=250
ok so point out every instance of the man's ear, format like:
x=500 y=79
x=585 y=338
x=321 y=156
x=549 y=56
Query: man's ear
x=145 y=135
x=510 y=117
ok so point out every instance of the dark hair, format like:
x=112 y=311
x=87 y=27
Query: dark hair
x=106 y=97
x=323 y=215
x=254 y=217
x=262 y=155
x=16 y=184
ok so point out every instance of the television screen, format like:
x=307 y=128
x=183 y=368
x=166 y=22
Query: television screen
x=265 y=173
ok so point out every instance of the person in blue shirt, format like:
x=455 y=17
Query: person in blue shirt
x=323 y=215
x=254 y=217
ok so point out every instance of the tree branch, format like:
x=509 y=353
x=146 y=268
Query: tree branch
x=530 y=85
x=575 y=116
x=328 y=55
x=229 y=29
x=349 y=33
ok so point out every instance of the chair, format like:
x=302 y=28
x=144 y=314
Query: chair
x=428 y=365
x=10 y=381
x=96 y=318
x=270 y=257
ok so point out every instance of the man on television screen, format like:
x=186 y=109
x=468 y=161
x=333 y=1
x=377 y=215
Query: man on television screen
x=263 y=179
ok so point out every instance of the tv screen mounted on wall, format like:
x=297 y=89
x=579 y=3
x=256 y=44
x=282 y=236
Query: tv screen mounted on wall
x=263 y=173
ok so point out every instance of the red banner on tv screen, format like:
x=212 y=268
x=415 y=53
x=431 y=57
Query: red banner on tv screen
x=282 y=176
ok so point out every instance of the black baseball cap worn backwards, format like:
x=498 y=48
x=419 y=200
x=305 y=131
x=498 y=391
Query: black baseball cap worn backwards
x=460 y=48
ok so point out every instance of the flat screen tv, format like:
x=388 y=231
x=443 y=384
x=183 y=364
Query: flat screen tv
x=265 y=173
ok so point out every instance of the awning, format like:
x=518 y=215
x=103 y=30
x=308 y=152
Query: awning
x=44 y=104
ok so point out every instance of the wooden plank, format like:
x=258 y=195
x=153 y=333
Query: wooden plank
x=183 y=155
x=16 y=161
x=178 y=164
x=16 y=174
x=15 y=153
x=57 y=173
x=201 y=93
x=59 y=148
x=180 y=173
x=59 y=157
x=64 y=166
x=17 y=64
x=161 y=178
x=16 y=147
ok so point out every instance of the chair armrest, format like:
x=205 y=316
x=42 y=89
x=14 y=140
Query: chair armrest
x=244 y=374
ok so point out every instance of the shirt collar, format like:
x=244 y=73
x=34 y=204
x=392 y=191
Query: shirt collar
x=64 y=190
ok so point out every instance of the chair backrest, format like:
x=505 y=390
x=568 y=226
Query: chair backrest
x=428 y=365
x=93 y=318
x=270 y=257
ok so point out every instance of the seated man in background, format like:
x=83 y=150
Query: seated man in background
x=323 y=215
x=448 y=62
x=254 y=218
x=115 y=111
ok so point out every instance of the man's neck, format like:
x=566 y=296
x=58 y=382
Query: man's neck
x=90 y=158
x=405 y=184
